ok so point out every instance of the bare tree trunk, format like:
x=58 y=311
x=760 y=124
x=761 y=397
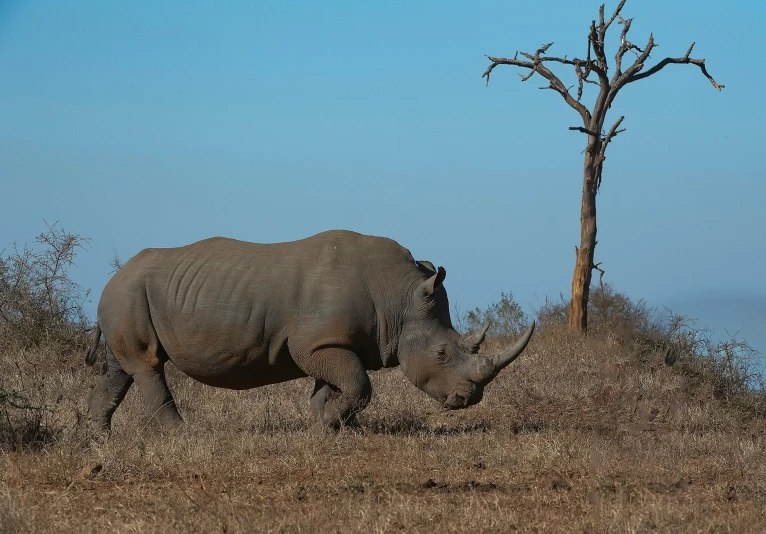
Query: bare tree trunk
x=595 y=64
x=578 y=308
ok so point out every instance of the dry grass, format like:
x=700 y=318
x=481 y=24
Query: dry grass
x=575 y=436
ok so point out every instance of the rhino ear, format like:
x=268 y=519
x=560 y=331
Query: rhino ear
x=430 y=285
x=426 y=266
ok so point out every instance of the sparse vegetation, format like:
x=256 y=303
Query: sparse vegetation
x=664 y=431
x=506 y=318
x=40 y=304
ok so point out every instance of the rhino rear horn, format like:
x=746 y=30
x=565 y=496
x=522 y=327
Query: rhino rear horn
x=471 y=342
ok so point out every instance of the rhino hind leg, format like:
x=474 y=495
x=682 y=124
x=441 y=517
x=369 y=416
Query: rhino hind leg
x=108 y=393
x=141 y=358
x=157 y=397
x=342 y=387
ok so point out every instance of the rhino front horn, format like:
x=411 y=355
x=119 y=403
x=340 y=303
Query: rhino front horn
x=505 y=357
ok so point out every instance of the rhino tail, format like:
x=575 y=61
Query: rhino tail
x=90 y=355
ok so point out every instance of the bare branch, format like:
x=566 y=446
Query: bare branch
x=538 y=59
x=583 y=70
x=601 y=16
x=625 y=45
x=686 y=60
x=602 y=151
x=632 y=74
x=505 y=61
x=612 y=133
x=688 y=52
x=543 y=49
x=598 y=38
x=615 y=15
x=581 y=77
x=536 y=65
x=116 y=263
x=584 y=130
x=639 y=63
x=600 y=270
x=605 y=141
x=598 y=49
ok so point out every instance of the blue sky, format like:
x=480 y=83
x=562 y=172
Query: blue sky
x=143 y=124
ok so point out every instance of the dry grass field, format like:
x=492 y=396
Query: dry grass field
x=578 y=435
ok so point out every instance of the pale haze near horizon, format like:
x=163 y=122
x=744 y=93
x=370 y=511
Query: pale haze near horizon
x=145 y=125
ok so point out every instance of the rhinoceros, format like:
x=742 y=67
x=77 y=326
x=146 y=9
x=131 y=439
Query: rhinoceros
x=239 y=315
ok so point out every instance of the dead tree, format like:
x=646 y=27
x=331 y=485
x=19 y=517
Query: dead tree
x=594 y=69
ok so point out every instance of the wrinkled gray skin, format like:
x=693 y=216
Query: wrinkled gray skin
x=240 y=315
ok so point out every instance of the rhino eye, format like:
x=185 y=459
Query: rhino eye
x=441 y=355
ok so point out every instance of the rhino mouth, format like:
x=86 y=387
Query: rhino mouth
x=459 y=400
x=455 y=402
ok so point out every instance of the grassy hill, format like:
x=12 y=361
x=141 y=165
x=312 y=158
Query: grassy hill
x=643 y=425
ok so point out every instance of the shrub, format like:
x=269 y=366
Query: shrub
x=553 y=312
x=22 y=423
x=505 y=316
x=730 y=368
x=39 y=302
x=608 y=309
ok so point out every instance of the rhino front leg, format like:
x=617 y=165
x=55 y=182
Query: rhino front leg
x=342 y=386
x=323 y=394
x=320 y=396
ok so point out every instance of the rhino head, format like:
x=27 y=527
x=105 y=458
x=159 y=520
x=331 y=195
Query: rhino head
x=436 y=358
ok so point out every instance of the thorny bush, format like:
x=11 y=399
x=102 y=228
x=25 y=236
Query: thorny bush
x=41 y=310
x=39 y=302
x=731 y=368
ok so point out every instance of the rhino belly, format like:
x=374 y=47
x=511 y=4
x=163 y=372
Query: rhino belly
x=236 y=373
x=226 y=356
